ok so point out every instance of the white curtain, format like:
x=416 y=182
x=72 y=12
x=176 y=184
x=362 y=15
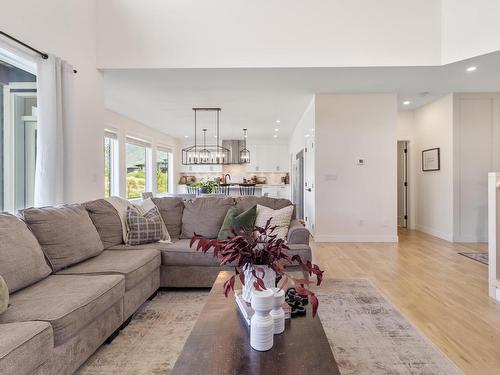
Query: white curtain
x=55 y=114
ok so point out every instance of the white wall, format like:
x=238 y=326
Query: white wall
x=434 y=190
x=303 y=138
x=124 y=127
x=293 y=33
x=452 y=203
x=476 y=152
x=272 y=33
x=67 y=28
x=469 y=28
x=353 y=202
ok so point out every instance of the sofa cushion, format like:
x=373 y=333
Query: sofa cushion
x=24 y=346
x=244 y=203
x=180 y=254
x=106 y=220
x=4 y=295
x=204 y=216
x=177 y=253
x=171 y=209
x=65 y=233
x=133 y=265
x=22 y=262
x=69 y=303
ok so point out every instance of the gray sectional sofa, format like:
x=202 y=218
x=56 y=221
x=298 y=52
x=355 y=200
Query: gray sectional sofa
x=74 y=283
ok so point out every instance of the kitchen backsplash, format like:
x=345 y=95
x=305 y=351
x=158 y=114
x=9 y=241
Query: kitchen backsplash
x=238 y=173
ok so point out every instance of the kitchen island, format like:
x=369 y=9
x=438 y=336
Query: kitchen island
x=269 y=190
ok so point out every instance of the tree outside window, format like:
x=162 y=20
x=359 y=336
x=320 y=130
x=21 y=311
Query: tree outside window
x=161 y=171
x=136 y=157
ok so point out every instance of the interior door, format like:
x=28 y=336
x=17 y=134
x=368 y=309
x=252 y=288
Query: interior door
x=403 y=184
x=298 y=184
x=309 y=185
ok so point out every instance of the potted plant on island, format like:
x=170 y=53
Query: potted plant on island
x=258 y=257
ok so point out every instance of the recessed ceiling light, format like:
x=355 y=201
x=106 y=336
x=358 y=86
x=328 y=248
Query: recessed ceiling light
x=406 y=102
x=307 y=135
x=276 y=130
x=278 y=121
x=275 y=136
x=186 y=136
x=471 y=68
x=215 y=136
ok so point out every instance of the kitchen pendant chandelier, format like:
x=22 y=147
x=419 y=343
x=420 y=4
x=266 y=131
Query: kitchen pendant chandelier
x=206 y=154
x=245 y=153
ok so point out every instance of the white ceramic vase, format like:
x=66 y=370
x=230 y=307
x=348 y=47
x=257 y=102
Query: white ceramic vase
x=261 y=325
x=269 y=279
x=277 y=313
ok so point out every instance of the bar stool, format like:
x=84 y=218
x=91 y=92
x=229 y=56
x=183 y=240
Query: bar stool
x=222 y=189
x=247 y=189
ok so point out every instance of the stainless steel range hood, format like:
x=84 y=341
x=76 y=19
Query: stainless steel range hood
x=234 y=147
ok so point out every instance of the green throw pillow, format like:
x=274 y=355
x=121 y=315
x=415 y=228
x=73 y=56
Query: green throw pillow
x=245 y=220
x=4 y=295
x=226 y=229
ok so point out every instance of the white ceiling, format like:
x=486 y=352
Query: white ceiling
x=256 y=98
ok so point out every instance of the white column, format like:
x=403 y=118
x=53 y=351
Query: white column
x=494 y=234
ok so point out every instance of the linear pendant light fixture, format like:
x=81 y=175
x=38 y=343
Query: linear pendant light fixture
x=245 y=153
x=208 y=154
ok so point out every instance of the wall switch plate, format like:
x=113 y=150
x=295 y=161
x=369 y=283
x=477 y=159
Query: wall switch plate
x=361 y=161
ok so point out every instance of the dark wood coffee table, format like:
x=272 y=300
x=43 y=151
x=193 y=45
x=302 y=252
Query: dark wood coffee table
x=219 y=344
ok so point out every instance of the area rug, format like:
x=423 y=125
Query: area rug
x=366 y=333
x=479 y=257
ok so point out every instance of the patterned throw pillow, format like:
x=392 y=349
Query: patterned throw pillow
x=279 y=218
x=143 y=228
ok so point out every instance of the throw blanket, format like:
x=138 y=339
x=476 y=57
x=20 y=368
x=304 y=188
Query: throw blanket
x=146 y=205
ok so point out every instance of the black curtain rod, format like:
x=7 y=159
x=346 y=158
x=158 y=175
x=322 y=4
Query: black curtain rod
x=42 y=54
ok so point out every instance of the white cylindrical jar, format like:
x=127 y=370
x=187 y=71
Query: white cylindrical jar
x=277 y=313
x=262 y=325
x=269 y=278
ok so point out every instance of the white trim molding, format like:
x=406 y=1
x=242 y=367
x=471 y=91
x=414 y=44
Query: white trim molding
x=433 y=232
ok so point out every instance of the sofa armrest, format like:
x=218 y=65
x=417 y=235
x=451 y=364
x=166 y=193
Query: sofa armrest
x=298 y=233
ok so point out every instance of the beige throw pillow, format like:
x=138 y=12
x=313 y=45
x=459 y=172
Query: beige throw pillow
x=279 y=218
x=4 y=295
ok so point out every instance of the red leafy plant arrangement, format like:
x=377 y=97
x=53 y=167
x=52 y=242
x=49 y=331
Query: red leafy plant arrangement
x=260 y=247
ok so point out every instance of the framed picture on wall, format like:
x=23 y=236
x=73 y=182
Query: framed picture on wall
x=431 y=160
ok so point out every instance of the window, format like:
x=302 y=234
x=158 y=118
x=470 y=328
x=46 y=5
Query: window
x=162 y=170
x=18 y=133
x=137 y=157
x=110 y=164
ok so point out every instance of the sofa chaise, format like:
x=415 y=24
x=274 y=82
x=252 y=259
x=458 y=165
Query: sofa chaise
x=74 y=284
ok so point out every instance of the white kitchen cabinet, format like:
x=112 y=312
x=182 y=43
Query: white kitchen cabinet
x=268 y=157
x=253 y=165
x=276 y=191
x=201 y=168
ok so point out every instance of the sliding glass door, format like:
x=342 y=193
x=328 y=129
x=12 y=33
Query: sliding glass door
x=18 y=134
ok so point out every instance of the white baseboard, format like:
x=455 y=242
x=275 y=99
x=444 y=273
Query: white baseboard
x=355 y=238
x=436 y=233
x=466 y=239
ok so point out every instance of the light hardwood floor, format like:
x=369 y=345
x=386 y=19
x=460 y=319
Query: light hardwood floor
x=443 y=293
